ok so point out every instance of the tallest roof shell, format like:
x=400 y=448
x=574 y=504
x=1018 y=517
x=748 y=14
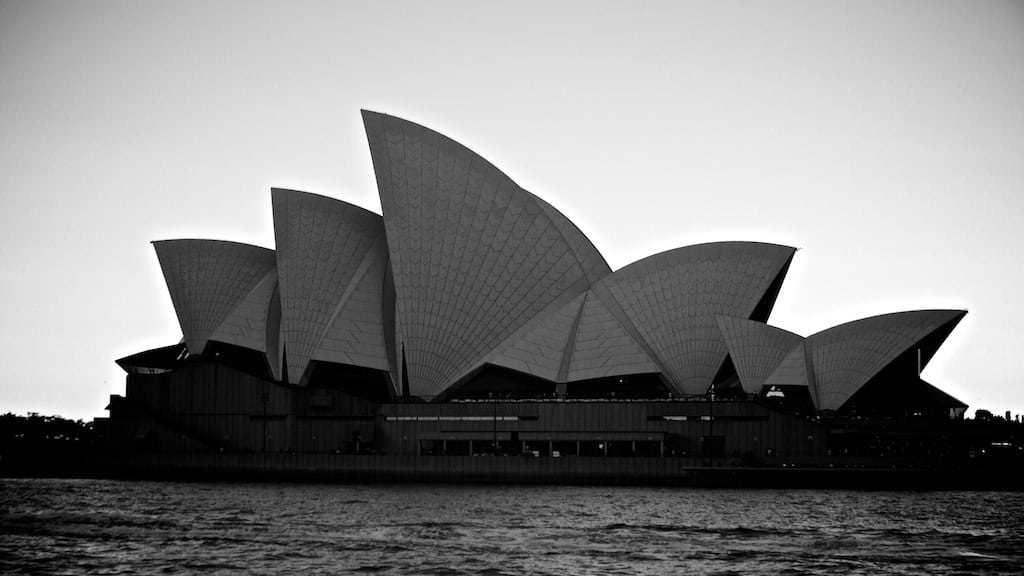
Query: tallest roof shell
x=474 y=256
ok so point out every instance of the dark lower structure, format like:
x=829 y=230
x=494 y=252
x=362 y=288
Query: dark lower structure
x=208 y=420
x=205 y=406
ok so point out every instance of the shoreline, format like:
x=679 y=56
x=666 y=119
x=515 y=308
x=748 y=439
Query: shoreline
x=665 y=472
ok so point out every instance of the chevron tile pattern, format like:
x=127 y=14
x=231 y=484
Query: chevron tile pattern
x=847 y=356
x=474 y=256
x=756 y=349
x=321 y=243
x=208 y=279
x=672 y=298
x=246 y=325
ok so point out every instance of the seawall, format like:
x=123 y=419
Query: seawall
x=191 y=466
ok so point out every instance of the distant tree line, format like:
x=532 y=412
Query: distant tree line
x=986 y=416
x=36 y=433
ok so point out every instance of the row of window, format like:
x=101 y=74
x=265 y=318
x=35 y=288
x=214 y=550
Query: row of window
x=456 y=418
x=704 y=418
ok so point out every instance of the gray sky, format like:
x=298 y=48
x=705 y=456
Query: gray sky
x=884 y=139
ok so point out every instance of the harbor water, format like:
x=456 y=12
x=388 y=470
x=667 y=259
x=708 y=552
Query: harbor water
x=124 y=527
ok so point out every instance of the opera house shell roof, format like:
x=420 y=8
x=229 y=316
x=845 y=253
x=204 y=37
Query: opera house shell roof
x=466 y=270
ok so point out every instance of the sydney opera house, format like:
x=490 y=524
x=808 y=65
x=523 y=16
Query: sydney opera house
x=473 y=318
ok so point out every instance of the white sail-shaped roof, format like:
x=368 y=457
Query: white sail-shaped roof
x=672 y=299
x=207 y=280
x=324 y=247
x=465 y=270
x=474 y=256
x=756 y=349
x=847 y=356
